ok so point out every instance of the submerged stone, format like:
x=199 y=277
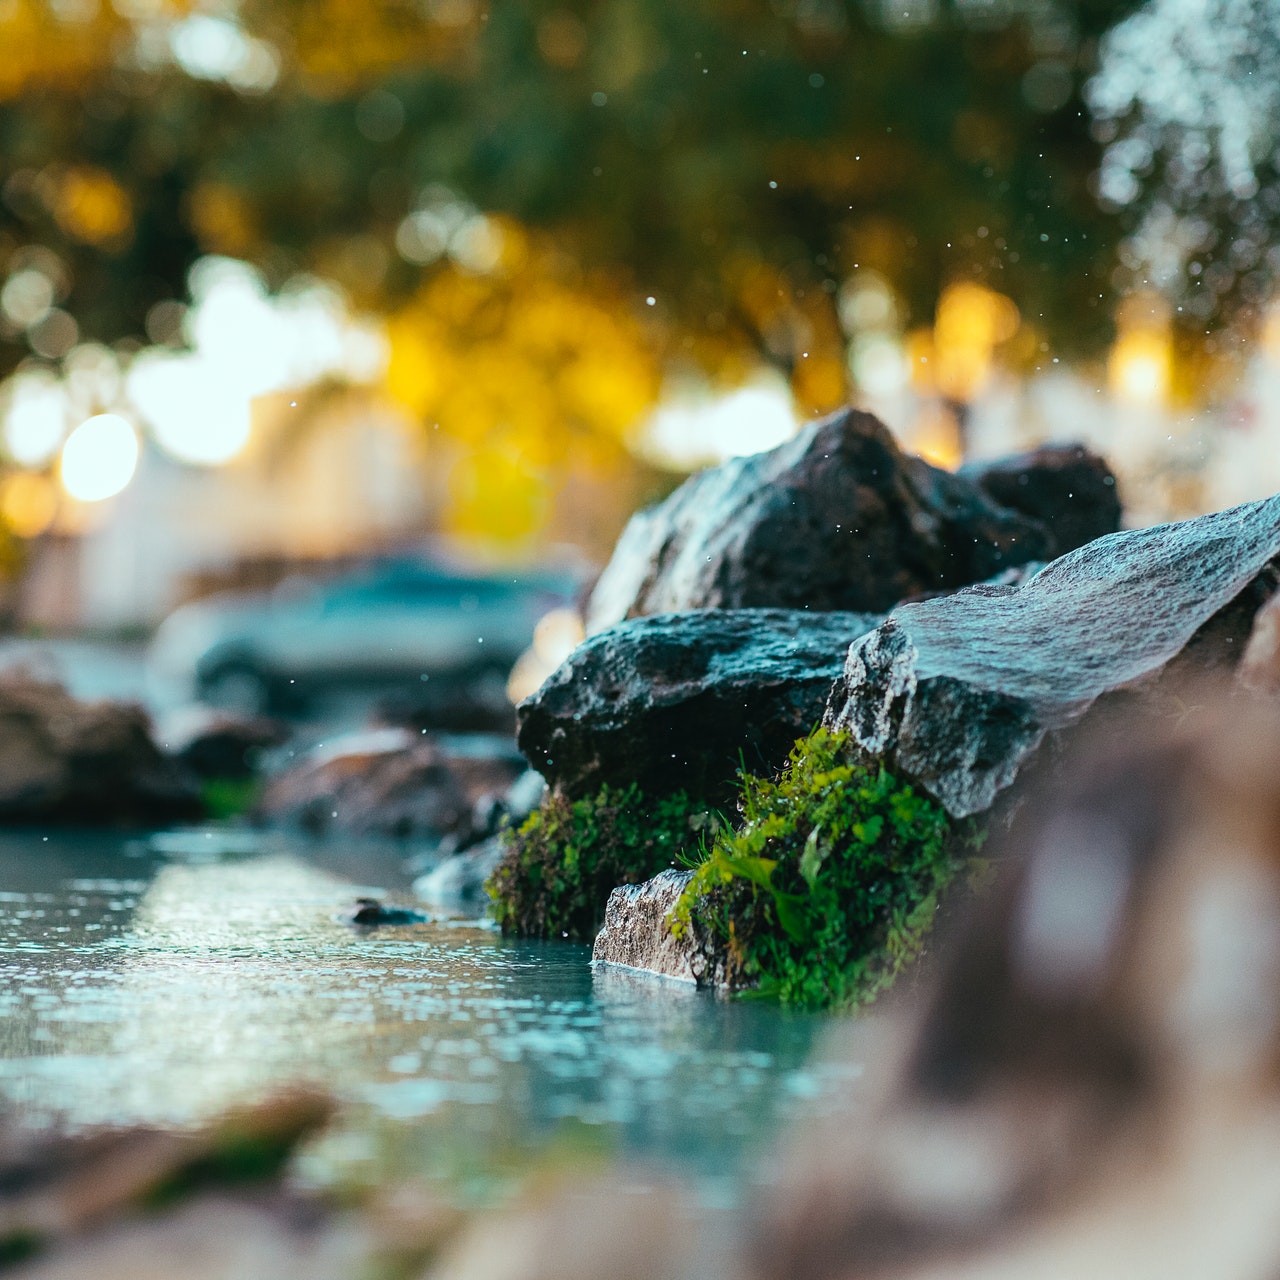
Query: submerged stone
x=959 y=692
x=681 y=701
x=370 y=913
x=839 y=518
x=636 y=932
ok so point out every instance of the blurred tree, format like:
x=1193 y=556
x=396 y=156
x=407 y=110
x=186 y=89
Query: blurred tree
x=554 y=202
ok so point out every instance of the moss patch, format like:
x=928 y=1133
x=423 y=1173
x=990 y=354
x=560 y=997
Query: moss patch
x=560 y=867
x=830 y=884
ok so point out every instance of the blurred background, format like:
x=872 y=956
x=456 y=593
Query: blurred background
x=349 y=289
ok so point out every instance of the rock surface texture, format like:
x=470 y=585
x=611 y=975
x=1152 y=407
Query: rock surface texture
x=636 y=934
x=678 y=701
x=839 y=518
x=959 y=692
x=63 y=760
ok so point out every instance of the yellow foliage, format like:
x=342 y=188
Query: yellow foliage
x=526 y=371
x=955 y=358
x=28 y=503
x=91 y=206
x=42 y=49
x=344 y=43
x=221 y=219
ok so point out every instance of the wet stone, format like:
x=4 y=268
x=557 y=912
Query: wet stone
x=839 y=518
x=959 y=693
x=682 y=701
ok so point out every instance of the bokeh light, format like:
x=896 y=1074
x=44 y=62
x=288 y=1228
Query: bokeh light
x=99 y=458
x=693 y=430
x=28 y=503
x=35 y=418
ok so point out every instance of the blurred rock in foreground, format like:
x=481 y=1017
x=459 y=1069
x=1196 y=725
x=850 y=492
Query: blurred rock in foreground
x=67 y=761
x=680 y=701
x=1092 y=1088
x=957 y=693
x=839 y=518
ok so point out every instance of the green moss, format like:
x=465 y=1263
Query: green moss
x=829 y=886
x=560 y=867
x=229 y=797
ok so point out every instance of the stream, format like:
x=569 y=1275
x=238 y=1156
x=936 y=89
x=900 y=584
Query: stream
x=163 y=979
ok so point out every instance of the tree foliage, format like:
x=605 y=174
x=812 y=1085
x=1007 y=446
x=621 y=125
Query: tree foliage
x=734 y=161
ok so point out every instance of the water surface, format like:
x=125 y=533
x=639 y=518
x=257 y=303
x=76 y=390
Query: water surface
x=165 y=979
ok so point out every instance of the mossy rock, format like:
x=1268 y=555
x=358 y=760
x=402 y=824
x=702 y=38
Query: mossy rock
x=558 y=869
x=829 y=886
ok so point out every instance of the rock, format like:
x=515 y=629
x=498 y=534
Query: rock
x=618 y=1224
x=219 y=744
x=457 y=884
x=959 y=692
x=679 y=701
x=390 y=783
x=370 y=913
x=67 y=761
x=839 y=518
x=1070 y=490
x=636 y=933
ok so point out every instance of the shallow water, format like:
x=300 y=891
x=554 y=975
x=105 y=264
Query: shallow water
x=166 y=979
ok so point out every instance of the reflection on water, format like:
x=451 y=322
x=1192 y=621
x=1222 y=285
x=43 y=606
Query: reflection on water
x=166 y=981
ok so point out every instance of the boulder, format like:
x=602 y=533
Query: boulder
x=679 y=701
x=959 y=692
x=67 y=761
x=1112 y=992
x=839 y=518
x=1066 y=487
x=390 y=782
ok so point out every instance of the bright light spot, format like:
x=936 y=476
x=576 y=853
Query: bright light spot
x=197 y=404
x=696 y=431
x=35 y=420
x=28 y=503
x=27 y=297
x=215 y=49
x=477 y=245
x=99 y=458
x=194 y=414
x=1140 y=367
x=880 y=365
x=556 y=636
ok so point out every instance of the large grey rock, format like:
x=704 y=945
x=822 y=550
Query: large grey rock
x=959 y=692
x=839 y=518
x=678 y=701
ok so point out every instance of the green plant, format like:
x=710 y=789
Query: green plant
x=559 y=868
x=829 y=886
